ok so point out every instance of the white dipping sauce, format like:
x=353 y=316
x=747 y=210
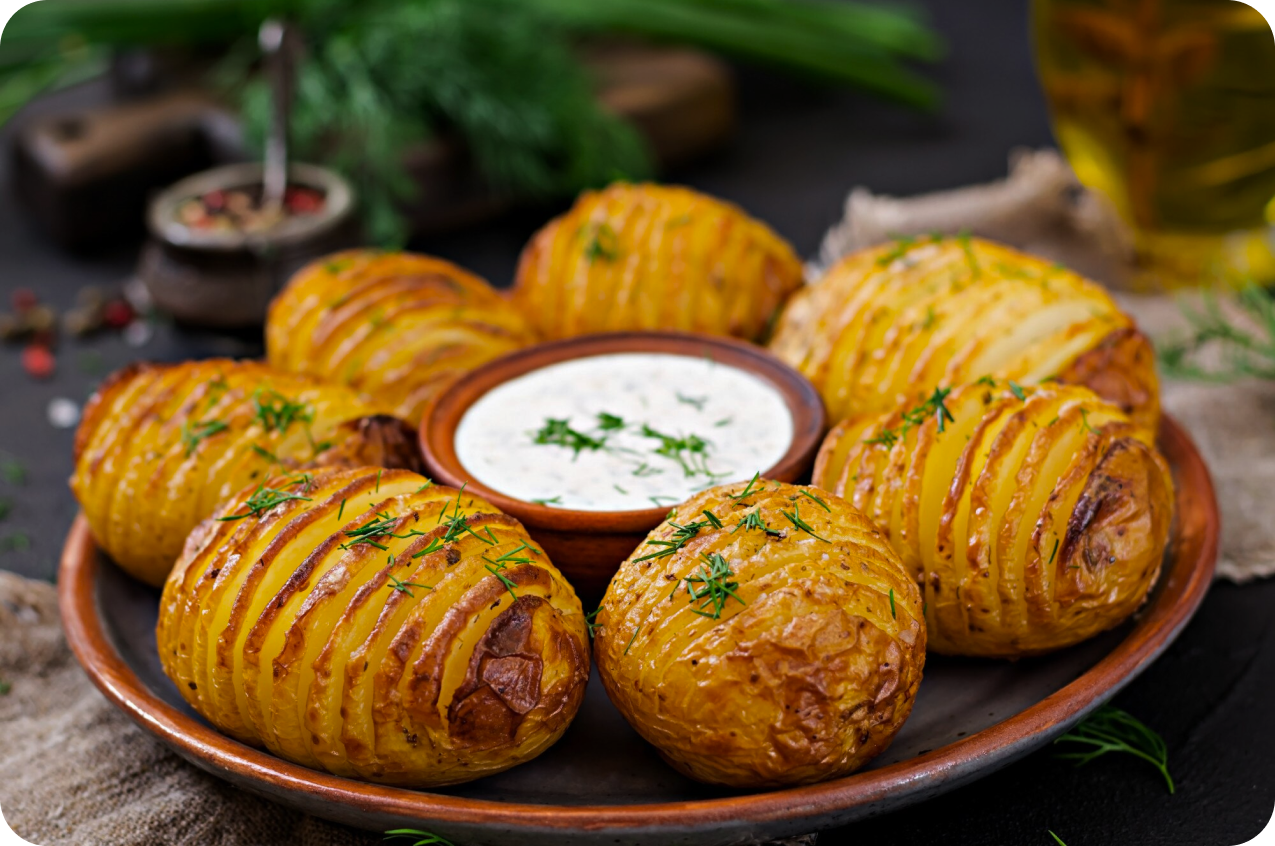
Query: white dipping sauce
x=654 y=428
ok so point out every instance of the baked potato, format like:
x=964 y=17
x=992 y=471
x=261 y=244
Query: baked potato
x=634 y=257
x=920 y=313
x=370 y=624
x=763 y=635
x=160 y=446
x=1032 y=517
x=395 y=326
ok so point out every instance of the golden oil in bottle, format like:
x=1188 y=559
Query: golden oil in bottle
x=1167 y=107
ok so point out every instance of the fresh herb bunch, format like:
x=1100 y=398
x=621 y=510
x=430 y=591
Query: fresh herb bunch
x=380 y=75
x=1110 y=729
x=1245 y=348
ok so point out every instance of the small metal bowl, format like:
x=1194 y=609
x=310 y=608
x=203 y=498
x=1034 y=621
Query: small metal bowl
x=226 y=279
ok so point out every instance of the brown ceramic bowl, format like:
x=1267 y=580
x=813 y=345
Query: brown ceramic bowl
x=588 y=546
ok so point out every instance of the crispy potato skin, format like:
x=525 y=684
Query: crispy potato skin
x=1031 y=524
x=810 y=670
x=901 y=317
x=422 y=651
x=654 y=257
x=145 y=477
x=396 y=326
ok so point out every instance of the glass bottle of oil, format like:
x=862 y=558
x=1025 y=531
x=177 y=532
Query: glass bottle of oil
x=1168 y=108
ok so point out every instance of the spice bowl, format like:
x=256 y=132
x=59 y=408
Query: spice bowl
x=226 y=278
x=588 y=542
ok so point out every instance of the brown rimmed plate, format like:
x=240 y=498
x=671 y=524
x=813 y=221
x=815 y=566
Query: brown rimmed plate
x=601 y=784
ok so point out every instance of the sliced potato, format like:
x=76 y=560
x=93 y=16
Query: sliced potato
x=396 y=326
x=763 y=635
x=371 y=624
x=160 y=446
x=1033 y=517
x=916 y=314
x=654 y=257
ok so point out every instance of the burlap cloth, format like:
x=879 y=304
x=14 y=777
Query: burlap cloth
x=74 y=771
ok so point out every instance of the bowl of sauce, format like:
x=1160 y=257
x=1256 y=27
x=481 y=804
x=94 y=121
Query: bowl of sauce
x=590 y=441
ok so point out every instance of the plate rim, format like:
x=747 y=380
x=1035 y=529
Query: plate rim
x=1158 y=624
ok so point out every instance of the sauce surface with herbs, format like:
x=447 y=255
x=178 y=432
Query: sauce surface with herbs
x=624 y=431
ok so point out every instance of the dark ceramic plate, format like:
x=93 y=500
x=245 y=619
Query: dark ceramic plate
x=601 y=784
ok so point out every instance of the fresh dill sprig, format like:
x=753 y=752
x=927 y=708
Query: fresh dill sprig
x=795 y=518
x=193 y=434
x=935 y=404
x=497 y=569
x=1245 y=351
x=690 y=451
x=591 y=621
x=1110 y=729
x=713 y=584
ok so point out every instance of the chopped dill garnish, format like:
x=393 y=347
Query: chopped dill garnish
x=902 y=244
x=591 y=621
x=603 y=244
x=428 y=484
x=378 y=480
x=553 y=500
x=1054 y=554
x=655 y=499
x=1110 y=729
x=892 y=614
x=690 y=451
x=725 y=421
x=1057 y=839
x=402 y=587
x=276 y=413
x=1084 y=421
x=497 y=568
x=609 y=422
x=630 y=646
x=963 y=237
x=748 y=489
x=620 y=489
x=696 y=402
x=815 y=499
x=986 y=380
x=680 y=537
x=713 y=584
x=1017 y=390
x=888 y=437
x=559 y=433
x=266 y=454
x=195 y=433
x=712 y=518
x=794 y=517
x=753 y=520
x=645 y=469
x=263 y=499
x=341 y=511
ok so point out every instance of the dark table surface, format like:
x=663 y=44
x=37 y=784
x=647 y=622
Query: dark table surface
x=797 y=152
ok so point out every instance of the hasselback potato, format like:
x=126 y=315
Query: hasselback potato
x=763 y=635
x=370 y=624
x=1033 y=517
x=160 y=446
x=932 y=311
x=654 y=257
x=395 y=326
